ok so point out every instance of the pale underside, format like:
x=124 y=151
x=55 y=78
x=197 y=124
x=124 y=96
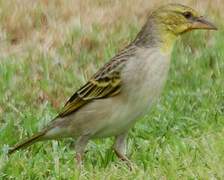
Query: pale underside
x=142 y=78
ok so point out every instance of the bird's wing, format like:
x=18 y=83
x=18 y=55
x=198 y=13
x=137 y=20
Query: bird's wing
x=105 y=83
x=94 y=89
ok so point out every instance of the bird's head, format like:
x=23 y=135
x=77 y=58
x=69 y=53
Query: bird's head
x=178 y=19
x=172 y=20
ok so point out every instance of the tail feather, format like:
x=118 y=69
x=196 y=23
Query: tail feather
x=27 y=142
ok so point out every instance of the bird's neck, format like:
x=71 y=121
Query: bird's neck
x=167 y=41
x=156 y=35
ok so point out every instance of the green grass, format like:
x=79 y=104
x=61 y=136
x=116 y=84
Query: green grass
x=182 y=137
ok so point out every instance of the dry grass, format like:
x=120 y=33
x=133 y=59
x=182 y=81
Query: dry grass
x=45 y=24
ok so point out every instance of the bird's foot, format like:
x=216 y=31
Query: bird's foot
x=79 y=161
x=124 y=159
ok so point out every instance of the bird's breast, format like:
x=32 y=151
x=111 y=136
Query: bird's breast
x=144 y=78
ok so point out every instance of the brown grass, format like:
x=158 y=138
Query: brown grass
x=46 y=23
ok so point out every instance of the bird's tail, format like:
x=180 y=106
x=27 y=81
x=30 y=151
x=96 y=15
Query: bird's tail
x=27 y=142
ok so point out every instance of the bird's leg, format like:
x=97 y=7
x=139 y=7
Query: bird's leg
x=80 y=148
x=120 y=148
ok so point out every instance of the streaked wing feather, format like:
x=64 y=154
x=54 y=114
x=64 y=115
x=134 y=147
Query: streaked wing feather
x=72 y=106
x=106 y=86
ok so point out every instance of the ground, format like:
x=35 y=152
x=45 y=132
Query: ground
x=49 y=48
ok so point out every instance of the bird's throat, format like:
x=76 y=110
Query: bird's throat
x=168 y=40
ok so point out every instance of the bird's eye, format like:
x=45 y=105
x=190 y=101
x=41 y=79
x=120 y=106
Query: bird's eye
x=188 y=15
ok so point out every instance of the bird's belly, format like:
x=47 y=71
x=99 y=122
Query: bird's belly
x=119 y=119
x=123 y=117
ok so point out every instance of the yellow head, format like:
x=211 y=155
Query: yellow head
x=178 y=19
x=169 y=21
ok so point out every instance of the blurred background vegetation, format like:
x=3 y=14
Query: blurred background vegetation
x=49 y=48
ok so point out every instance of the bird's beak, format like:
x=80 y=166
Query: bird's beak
x=202 y=23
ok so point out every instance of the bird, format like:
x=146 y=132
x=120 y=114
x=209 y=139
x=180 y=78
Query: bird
x=125 y=88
